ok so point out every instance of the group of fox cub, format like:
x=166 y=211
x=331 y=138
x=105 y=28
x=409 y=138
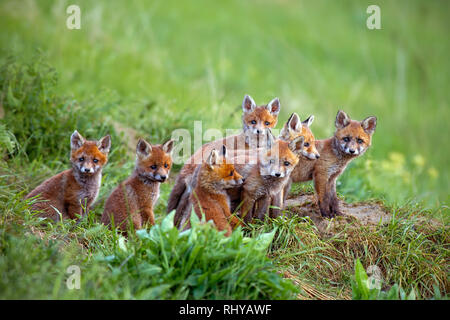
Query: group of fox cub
x=230 y=180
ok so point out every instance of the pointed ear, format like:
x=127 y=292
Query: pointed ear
x=342 y=120
x=296 y=145
x=168 y=146
x=308 y=122
x=224 y=151
x=369 y=124
x=270 y=139
x=248 y=105
x=104 y=144
x=212 y=158
x=143 y=149
x=274 y=106
x=294 y=122
x=76 y=140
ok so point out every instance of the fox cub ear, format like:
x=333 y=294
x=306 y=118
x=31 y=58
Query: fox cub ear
x=248 y=105
x=213 y=158
x=296 y=145
x=143 y=149
x=342 y=120
x=224 y=151
x=369 y=124
x=294 y=122
x=104 y=144
x=274 y=106
x=308 y=122
x=76 y=140
x=168 y=146
x=270 y=139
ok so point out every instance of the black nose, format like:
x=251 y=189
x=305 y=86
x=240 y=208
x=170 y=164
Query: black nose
x=163 y=178
x=317 y=156
x=243 y=179
x=277 y=174
x=352 y=151
x=258 y=131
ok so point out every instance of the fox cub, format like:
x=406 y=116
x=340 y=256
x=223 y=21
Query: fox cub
x=209 y=195
x=72 y=192
x=351 y=139
x=256 y=120
x=292 y=129
x=135 y=198
x=266 y=176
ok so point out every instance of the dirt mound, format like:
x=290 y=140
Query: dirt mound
x=361 y=213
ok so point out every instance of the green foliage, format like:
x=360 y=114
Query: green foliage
x=199 y=263
x=8 y=142
x=40 y=118
x=362 y=289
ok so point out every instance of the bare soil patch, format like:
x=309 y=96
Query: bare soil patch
x=361 y=213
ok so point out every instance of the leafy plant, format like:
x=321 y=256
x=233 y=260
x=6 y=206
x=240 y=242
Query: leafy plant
x=364 y=289
x=199 y=263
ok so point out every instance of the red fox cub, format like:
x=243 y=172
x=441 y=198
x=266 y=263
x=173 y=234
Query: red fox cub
x=256 y=121
x=294 y=128
x=135 y=198
x=72 y=192
x=351 y=139
x=209 y=195
x=265 y=180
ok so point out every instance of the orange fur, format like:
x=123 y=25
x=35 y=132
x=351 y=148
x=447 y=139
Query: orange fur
x=209 y=196
x=265 y=179
x=247 y=139
x=335 y=154
x=72 y=192
x=134 y=199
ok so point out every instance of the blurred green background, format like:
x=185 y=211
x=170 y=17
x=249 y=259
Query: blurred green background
x=167 y=63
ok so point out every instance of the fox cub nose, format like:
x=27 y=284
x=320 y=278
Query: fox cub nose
x=317 y=156
x=278 y=174
x=352 y=150
x=163 y=178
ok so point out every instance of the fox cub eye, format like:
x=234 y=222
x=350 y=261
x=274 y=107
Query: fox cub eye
x=95 y=160
x=153 y=166
x=231 y=173
x=81 y=159
x=306 y=144
x=346 y=139
x=253 y=122
x=287 y=163
x=360 y=141
x=267 y=123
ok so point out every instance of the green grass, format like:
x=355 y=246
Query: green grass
x=157 y=66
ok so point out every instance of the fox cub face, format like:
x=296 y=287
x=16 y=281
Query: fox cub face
x=354 y=137
x=221 y=171
x=153 y=162
x=280 y=160
x=88 y=157
x=257 y=119
x=295 y=128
